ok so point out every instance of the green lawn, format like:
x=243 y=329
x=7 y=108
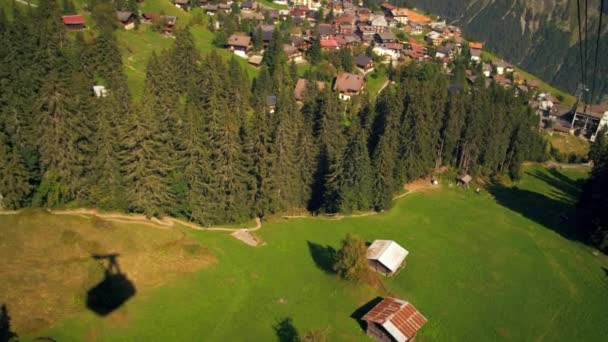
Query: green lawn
x=500 y=265
x=374 y=81
x=271 y=4
x=568 y=144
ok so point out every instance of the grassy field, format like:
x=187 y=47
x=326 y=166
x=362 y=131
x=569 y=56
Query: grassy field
x=569 y=144
x=500 y=265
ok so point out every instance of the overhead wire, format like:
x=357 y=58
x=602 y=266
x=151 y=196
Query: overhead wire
x=597 y=50
x=580 y=43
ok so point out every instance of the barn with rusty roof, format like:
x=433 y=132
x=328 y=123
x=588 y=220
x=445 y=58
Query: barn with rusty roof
x=386 y=256
x=393 y=320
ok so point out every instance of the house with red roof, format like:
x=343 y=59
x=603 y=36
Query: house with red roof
x=329 y=44
x=393 y=320
x=73 y=21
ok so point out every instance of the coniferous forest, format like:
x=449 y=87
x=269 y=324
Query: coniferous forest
x=202 y=143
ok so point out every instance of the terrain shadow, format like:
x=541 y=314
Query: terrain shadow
x=286 y=331
x=5 y=326
x=557 y=214
x=113 y=291
x=323 y=256
x=358 y=314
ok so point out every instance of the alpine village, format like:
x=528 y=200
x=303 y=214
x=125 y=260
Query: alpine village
x=193 y=170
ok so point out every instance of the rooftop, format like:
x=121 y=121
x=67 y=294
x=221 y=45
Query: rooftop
x=398 y=317
x=388 y=253
x=347 y=82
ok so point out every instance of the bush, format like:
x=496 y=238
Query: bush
x=351 y=260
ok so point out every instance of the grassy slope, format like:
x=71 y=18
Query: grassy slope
x=478 y=269
x=569 y=144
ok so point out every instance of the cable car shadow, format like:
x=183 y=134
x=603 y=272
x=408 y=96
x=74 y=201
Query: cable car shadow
x=113 y=291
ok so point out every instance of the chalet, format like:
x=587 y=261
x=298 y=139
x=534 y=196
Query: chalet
x=366 y=32
x=274 y=14
x=240 y=44
x=299 y=42
x=183 y=4
x=561 y=118
x=348 y=85
x=248 y=5
x=329 y=44
x=293 y=54
x=298 y=92
x=434 y=38
x=518 y=78
x=502 y=67
x=589 y=120
x=149 y=17
x=416 y=28
x=325 y=31
x=487 y=70
x=267 y=33
x=170 y=22
x=386 y=37
x=257 y=16
x=364 y=63
x=73 y=21
x=127 y=19
x=255 y=60
x=476 y=45
x=346 y=28
x=447 y=50
x=388 y=53
x=347 y=41
x=476 y=55
x=363 y=15
x=400 y=15
x=386 y=256
x=378 y=22
x=393 y=320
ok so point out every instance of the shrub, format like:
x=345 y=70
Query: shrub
x=351 y=261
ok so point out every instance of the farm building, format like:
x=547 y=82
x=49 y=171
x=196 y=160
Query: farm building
x=393 y=320
x=73 y=21
x=386 y=256
x=464 y=180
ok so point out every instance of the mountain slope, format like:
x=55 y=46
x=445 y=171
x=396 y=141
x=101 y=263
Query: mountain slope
x=538 y=35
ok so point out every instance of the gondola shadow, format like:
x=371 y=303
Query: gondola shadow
x=113 y=291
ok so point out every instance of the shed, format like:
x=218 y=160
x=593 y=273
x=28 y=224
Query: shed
x=393 y=320
x=73 y=21
x=255 y=60
x=464 y=179
x=100 y=91
x=386 y=256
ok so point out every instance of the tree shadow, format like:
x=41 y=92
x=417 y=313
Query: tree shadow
x=358 y=314
x=286 y=331
x=323 y=256
x=569 y=187
x=113 y=291
x=5 y=326
x=557 y=214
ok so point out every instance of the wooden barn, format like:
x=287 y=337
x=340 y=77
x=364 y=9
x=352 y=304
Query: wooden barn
x=386 y=256
x=393 y=320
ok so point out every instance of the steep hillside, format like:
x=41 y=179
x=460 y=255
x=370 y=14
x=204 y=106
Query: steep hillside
x=539 y=35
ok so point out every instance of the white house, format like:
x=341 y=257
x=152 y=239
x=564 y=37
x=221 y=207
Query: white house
x=476 y=56
x=386 y=256
x=100 y=91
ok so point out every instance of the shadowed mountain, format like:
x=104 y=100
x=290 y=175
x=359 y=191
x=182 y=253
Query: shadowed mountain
x=113 y=291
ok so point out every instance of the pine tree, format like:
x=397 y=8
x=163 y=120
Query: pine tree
x=452 y=127
x=107 y=186
x=14 y=178
x=357 y=175
x=351 y=262
x=146 y=162
x=184 y=57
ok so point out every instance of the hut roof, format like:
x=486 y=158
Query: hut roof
x=398 y=317
x=388 y=253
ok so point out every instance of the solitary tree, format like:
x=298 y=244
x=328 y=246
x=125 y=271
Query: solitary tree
x=351 y=261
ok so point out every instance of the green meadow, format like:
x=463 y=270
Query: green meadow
x=504 y=264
